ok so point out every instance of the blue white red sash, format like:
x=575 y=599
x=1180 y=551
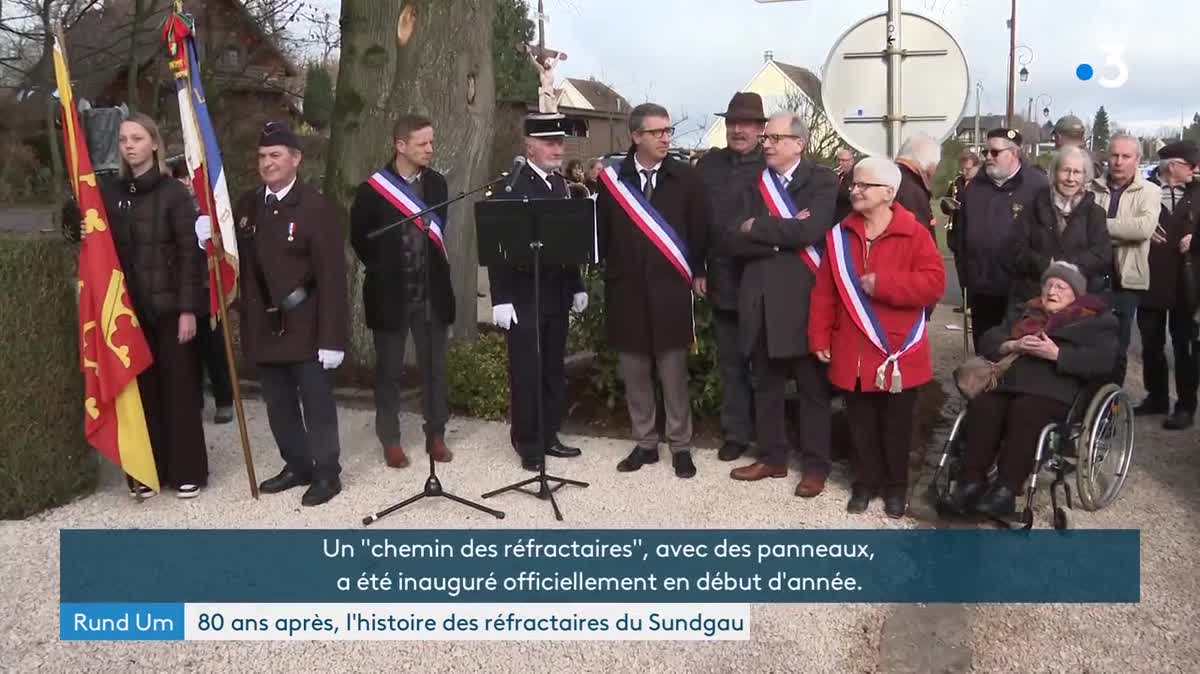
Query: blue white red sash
x=859 y=304
x=780 y=204
x=649 y=220
x=399 y=194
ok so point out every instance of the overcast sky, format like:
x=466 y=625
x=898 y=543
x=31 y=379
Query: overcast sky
x=691 y=55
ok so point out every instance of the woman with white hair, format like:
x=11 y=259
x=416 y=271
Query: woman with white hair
x=1063 y=222
x=867 y=321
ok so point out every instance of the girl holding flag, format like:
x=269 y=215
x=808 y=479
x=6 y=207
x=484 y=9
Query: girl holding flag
x=867 y=320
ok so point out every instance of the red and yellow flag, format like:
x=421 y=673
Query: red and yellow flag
x=112 y=348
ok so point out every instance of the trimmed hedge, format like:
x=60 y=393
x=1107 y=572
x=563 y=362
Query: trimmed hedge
x=44 y=459
x=477 y=376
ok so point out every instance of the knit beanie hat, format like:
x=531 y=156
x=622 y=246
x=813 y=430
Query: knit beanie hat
x=1068 y=273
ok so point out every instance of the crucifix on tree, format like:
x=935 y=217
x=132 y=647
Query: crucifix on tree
x=545 y=60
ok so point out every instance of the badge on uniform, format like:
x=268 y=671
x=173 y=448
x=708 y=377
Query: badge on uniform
x=291 y=231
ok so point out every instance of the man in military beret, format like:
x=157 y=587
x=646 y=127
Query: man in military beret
x=1069 y=131
x=562 y=291
x=294 y=313
x=1169 y=303
x=986 y=224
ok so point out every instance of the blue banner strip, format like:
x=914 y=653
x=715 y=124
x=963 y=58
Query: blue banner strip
x=120 y=622
x=588 y=566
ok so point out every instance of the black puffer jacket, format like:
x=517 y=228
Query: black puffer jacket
x=1084 y=242
x=153 y=225
x=987 y=224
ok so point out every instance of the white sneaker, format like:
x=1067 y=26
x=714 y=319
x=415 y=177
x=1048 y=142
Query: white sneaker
x=189 y=491
x=141 y=491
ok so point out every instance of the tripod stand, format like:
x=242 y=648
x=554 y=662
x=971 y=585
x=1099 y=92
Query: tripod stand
x=433 y=486
x=528 y=215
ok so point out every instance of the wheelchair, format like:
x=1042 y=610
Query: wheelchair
x=1095 y=442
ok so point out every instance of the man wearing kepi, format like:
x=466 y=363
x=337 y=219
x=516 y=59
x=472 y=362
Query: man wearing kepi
x=294 y=315
x=561 y=291
x=726 y=173
x=778 y=248
x=653 y=217
x=407 y=286
x=986 y=223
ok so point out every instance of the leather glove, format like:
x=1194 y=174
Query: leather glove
x=579 y=302
x=504 y=316
x=203 y=230
x=330 y=360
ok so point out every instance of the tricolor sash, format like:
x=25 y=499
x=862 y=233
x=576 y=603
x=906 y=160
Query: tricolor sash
x=399 y=194
x=649 y=220
x=859 y=304
x=780 y=204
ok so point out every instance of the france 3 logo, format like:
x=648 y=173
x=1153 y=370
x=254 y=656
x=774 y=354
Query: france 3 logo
x=1116 y=71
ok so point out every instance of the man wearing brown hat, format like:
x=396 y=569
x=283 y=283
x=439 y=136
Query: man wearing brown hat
x=727 y=172
x=294 y=313
x=986 y=222
x=1169 y=302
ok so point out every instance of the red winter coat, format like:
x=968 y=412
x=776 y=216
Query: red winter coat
x=909 y=276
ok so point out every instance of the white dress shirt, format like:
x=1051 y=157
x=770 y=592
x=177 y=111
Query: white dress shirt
x=642 y=176
x=786 y=176
x=545 y=176
x=281 y=193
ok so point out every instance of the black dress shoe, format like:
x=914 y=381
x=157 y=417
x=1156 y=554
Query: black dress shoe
x=534 y=465
x=731 y=451
x=999 y=502
x=284 y=481
x=1180 y=420
x=1151 y=406
x=963 y=498
x=860 y=498
x=637 y=458
x=682 y=462
x=894 y=506
x=558 y=449
x=321 y=491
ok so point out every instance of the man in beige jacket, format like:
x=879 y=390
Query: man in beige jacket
x=1133 y=205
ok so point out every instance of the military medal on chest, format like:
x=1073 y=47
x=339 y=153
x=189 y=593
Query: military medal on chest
x=291 y=232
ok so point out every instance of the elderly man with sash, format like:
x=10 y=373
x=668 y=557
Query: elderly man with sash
x=778 y=247
x=653 y=216
x=562 y=291
x=407 y=286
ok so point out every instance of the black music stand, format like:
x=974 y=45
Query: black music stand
x=511 y=232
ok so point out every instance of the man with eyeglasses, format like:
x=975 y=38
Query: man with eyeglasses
x=727 y=172
x=784 y=218
x=1169 y=303
x=653 y=217
x=987 y=222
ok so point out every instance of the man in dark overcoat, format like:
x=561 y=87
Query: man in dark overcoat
x=562 y=291
x=771 y=243
x=653 y=218
x=407 y=286
x=294 y=313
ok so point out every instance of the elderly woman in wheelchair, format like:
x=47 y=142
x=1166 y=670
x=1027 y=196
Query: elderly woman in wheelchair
x=1056 y=347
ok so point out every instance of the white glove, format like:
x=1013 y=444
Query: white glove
x=203 y=230
x=579 y=302
x=504 y=316
x=330 y=359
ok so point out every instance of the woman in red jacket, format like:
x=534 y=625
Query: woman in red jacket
x=880 y=270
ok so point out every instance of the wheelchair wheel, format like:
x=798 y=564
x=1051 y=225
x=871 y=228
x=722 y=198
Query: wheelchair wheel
x=950 y=464
x=1104 y=448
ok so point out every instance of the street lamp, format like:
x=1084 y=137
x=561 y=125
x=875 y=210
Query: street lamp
x=1024 y=58
x=1046 y=105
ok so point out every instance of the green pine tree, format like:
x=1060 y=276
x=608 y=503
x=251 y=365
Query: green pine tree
x=318 y=96
x=1192 y=132
x=1100 y=133
x=512 y=30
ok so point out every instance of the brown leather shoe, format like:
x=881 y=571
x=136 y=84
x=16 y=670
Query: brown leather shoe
x=757 y=471
x=810 y=486
x=435 y=445
x=395 y=456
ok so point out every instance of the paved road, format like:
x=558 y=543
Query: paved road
x=27 y=218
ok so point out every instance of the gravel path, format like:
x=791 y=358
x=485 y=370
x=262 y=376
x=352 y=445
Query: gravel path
x=1157 y=635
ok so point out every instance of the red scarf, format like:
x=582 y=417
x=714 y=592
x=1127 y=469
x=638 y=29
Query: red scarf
x=1037 y=320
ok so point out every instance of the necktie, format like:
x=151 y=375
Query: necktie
x=272 y=201
x=648 y=188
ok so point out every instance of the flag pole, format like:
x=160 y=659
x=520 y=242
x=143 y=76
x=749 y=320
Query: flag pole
x=215 y=260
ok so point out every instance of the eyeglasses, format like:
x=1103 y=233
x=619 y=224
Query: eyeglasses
x=775 y=137
x=659 y=133
x=862 y=186
x=993 y=152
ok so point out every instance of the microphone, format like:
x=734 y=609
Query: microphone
x=518 y=162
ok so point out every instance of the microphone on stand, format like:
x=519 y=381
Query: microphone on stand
x=518 y=162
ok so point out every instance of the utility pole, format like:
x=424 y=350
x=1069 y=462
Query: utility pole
x=978 y=95
x=895 y=105
x=1012 y=63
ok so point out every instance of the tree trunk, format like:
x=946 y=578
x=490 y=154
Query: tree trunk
x=131 y=84
x=431 y=57
x=56 y=166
